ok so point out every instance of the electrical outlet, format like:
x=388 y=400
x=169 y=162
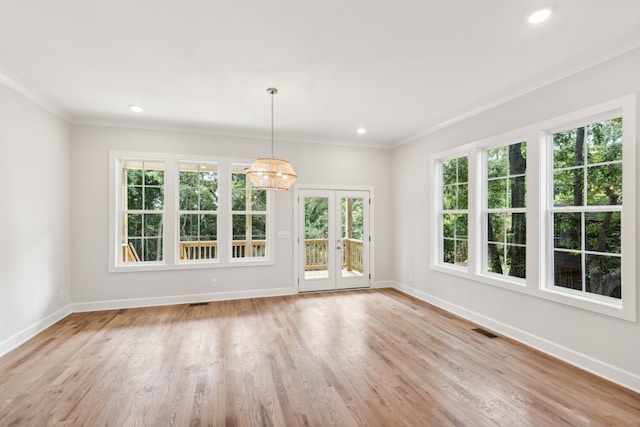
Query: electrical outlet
x=214 y=283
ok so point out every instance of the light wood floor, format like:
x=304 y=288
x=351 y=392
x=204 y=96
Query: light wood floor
x=374 y=357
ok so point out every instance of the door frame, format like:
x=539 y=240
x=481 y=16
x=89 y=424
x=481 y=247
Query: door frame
x=296 y=223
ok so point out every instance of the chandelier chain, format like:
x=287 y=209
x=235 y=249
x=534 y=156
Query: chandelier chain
x=272 y=127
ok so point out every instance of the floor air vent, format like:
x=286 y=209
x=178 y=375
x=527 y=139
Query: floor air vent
x=195 y=304
x=485 y=333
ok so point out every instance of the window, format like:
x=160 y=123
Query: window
x=142 y=211
x=454 y=213
x=184 y=212
x=198 y=212
x=587 y=208
x=549 y=207
x=505 y=210
x=249 y=216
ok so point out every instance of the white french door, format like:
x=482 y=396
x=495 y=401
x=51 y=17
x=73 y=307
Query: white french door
x=334 y=239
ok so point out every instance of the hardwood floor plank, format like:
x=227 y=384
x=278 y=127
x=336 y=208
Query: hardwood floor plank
x=356 y=358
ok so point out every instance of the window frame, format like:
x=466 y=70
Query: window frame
x=441 y=211
x=538 y=219
x=180 y=212
x=171 y=236
x=625 y=307
x=485 y=210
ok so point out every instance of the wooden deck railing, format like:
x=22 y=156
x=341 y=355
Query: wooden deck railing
x=317 y=255
x=209 y=249
x=316 y=252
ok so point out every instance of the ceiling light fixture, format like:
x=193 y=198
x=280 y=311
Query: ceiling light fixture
x=361 y=131
x=271 y=173
x=539 y=16
x=136 y=108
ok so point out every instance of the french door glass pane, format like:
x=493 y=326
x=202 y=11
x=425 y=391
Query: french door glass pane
x=316 y=235
x=352 y=236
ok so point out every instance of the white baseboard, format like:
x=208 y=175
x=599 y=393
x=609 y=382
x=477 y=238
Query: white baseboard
x=26 y=334
x=583 y=361
x=383 y=284
x=179 y=299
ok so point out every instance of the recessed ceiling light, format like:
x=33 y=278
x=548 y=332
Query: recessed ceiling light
x=361 y=131
x=539 y=15
x=136 y=108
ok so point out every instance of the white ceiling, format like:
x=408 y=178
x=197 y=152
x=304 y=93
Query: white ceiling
x=399 y=68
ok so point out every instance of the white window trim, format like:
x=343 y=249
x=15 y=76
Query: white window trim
x=481 y=271
x=538 y=223
x=171 y=230
x=437 y=262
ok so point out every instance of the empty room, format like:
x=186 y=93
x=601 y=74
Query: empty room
x=340 y=213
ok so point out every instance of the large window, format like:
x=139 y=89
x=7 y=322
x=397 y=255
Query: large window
x=249 y=216
x=454 y=216
x=198 y=212
x=177 y=212
x=587 y=208
x=505 y=210
x=549 y=207
x=141 y=211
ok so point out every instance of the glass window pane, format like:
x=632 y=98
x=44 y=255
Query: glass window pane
x=603 y=275
x=188 y=199
x=605 y=141
x=134 y=176
x=568 y=187
x=153 y=177
x=449 y=172
x=497 y=162
x=449 y=251
x=568 y=148
x=239 y=227
x=449 y=197
x=461 y=252
x=238 y=192
x=517 y=261
x=259 y=200
x=208 y=227
x=188 y=227
x=567 y=229
x=153 y=198
x=259 y=227
x=135 y=248
x=517 y=192
x=567 y=269
x=494 y=258
x=134 y=225
x=208 y=200
x=602 y=231
x=448 y=225
x=316 y=225
x=461 y=225
x=519 y=228
x=134 y=198
x=496 y=227
x=188 y=178
x=497 y=193
x=152 y=249
x=463 y=197
x=604 y=185
x=463 y=169
x=152 y=225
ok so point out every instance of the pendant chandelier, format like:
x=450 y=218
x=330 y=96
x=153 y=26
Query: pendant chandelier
x=271 y=173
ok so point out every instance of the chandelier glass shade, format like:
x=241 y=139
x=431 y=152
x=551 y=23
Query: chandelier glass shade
x=271 y=173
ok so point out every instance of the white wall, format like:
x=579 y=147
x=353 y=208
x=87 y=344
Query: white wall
x=599 y=343
x=34 y=218
x=93 y=287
